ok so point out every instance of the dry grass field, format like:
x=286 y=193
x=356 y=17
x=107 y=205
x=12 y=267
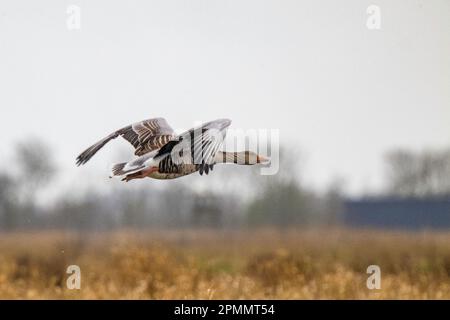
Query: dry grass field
x=211 y=264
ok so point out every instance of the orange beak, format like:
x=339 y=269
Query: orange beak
x=262 y=159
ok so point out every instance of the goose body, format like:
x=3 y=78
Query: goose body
x=163 y=155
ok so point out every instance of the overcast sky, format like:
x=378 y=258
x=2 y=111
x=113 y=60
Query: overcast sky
x=340 y=92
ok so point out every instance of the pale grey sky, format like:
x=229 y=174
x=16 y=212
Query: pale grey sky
x=342 y=93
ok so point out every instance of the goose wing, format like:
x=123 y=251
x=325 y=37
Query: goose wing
x=145 y=136
x=196 y=146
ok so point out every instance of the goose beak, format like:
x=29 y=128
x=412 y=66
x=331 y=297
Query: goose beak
x=262 y=159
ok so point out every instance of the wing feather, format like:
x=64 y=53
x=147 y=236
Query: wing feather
x=203 y=143
x=144 y=136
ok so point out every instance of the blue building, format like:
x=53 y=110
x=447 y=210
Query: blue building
x=397 y=213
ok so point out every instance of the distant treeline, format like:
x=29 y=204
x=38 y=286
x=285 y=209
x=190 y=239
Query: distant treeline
x=280 y=200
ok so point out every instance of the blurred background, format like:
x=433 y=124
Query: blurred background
x=358 y=90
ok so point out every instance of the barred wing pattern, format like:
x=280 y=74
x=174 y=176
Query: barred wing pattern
x=197 y=146
x=145 y=136
x=152 y=134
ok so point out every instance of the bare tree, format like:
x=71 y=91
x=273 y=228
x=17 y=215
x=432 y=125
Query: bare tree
x=418 y=174
x=36 y=168
x=282 y=200
x=6 y=202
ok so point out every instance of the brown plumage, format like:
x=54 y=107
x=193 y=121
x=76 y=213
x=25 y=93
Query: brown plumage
x=145 y=136
x=164 y=155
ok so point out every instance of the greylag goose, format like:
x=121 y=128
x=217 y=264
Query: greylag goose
x=161 y=154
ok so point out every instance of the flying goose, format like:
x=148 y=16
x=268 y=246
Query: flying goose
x=161 y=154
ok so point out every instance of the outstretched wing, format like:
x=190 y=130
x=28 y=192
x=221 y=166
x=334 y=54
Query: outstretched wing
x=196 y=146
x=151 y=134
x=145 y=136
